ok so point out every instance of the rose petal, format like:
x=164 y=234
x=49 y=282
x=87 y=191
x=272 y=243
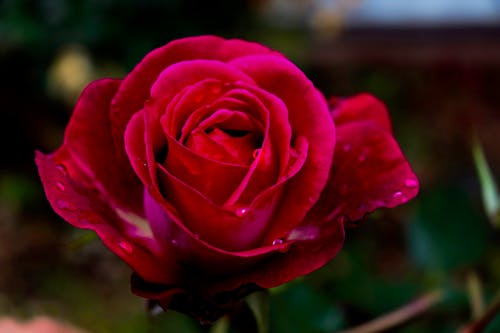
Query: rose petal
x=177 y=76
x=89 y=128
x=362 y=107
x=135 y=88
x=193 y=251
x=84 y=207
x=233 y=230
x=309 y=117
x=214 y=179
x=369 y=170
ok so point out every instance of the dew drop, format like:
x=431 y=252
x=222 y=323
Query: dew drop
x=241 y=211
x=256 y=153
x=411 y=183
x=65 y=205
x=196 y=236
x=60 y=186
x=397 y=194
x=346 y=147
x=145 y=164
x=174 y=242
x=62 y=169
x=362 y=158
x=125 y=247
x=278 y=241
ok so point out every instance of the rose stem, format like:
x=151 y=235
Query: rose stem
x=400 y=315
x=487 y=317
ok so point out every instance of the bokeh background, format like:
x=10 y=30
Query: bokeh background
x=435 y=63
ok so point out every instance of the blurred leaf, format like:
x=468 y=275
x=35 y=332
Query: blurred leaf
x=494 y=326
x=17 y=190
x=172 y=321
x=258 y=302
x=358 y=285
x=489 y=189
x=302 y=309
x=80 y=239
x=221 y=325
x=446 y=232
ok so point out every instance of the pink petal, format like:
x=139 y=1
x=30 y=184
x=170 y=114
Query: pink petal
x=89 y=128
x=74 y=199
x=182 y=74
x=215 y=180
x=233 y=229
x=362 y=107
x=369 y=170
x=135 y=88
x=309 y=118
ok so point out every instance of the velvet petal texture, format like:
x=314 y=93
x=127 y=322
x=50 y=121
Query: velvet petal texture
x=309 y=118
x=216 y=168
x=369 y=170
x=80 y=187
x=136 y=86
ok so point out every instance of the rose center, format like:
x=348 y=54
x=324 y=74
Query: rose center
x=225 y=144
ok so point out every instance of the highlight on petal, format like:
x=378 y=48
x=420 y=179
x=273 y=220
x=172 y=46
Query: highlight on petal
x=84 y=207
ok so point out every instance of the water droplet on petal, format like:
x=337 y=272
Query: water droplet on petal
x=145 y=164
x=196 y=236
x=174 y=242
x=125 y=247
x=411 y=183
x=60 y=186
x=241 y=211
x=278 y=241
x=62 y=169
x=346 y=147
x=362 y=158
x=65 y=205
x=256 y=153
x=397 y=194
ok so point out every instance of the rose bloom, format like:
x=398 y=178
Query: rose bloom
x=216 y=168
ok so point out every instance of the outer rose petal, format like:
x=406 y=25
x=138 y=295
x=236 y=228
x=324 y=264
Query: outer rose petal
x=89 y=128
x=88 y=189
x=362 y=107
x=215 y=297
x=369 y=170
x=85 y=208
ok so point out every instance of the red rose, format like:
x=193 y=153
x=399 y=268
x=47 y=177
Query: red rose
x=215 y=168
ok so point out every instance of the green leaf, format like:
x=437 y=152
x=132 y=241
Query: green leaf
x=258 y=302
x=302 y=309
x=446 y=232
x=489 y=189
x=221 y=325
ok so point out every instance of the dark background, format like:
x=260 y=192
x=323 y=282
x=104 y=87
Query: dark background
x=440 y=80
